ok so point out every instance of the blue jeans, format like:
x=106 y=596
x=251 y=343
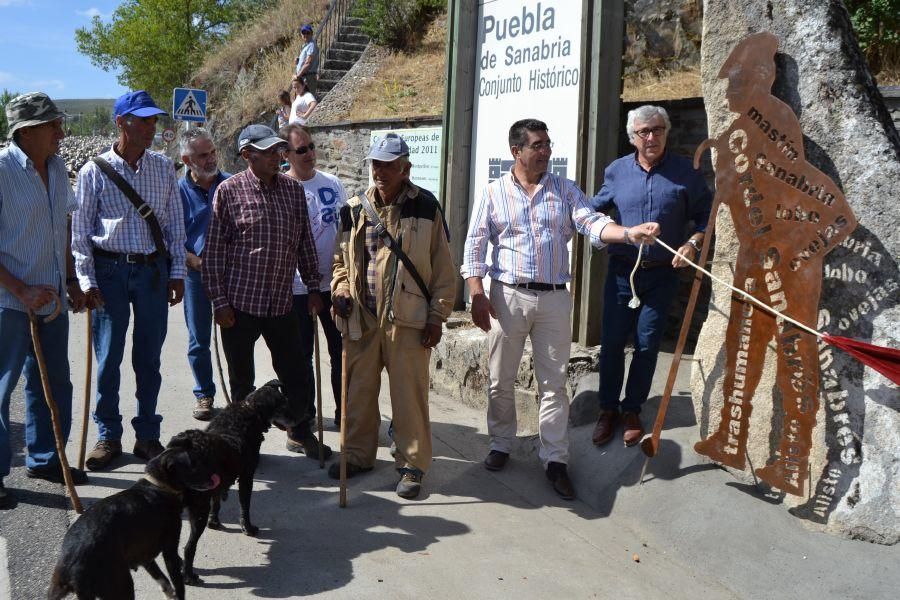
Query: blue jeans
x=655 y=287
x=16 y=355
x=199 y=320
x=143 y=287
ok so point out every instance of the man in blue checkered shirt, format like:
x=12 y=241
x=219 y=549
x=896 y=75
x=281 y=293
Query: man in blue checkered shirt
x=121 y=269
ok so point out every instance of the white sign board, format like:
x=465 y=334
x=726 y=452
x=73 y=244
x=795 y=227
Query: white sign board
x=528 y=66
x=424 y=154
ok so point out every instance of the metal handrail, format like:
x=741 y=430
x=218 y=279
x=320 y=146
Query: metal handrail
x=328 y=29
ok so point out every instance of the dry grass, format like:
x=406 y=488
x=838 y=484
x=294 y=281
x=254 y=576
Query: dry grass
x=663 y=86
x=245 y=75
x=407 y=85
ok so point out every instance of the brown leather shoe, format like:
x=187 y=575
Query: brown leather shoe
x=558 y=475
x=634 y=430
x=496 y=460
x=606 y=426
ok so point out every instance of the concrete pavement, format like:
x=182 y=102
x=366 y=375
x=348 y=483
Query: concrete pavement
x=695 y=532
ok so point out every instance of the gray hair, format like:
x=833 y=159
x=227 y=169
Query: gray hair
x=643 y=114
x=190 y=136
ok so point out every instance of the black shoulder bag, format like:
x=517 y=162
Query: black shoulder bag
x=392 y=245
x=142 y=207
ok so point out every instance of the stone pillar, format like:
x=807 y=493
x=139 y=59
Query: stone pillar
x=854 y=481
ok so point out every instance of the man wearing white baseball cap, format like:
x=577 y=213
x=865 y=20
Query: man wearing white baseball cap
x=399 y=301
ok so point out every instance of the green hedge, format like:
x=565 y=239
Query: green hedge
x=397 y=24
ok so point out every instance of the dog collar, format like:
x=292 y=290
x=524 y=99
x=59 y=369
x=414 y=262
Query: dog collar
x=164 y=487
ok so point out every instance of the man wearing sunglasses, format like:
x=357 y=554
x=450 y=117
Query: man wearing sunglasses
x=324 y=197
x=648 y=185
x=258 y=236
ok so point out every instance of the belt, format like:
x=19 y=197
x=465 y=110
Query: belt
x=540 y=287
x=136 y=259
x=644 y=264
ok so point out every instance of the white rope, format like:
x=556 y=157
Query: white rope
x=635 y=301
x=758 y=303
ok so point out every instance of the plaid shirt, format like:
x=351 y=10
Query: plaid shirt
x=257 y=237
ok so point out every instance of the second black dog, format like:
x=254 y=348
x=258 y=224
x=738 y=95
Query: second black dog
x=233 y=439
x=128 y=529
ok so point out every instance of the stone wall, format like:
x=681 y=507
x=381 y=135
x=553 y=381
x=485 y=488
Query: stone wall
x=342 y=147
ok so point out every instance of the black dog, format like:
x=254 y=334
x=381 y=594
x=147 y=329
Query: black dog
x=232 y=439
x=129 y=529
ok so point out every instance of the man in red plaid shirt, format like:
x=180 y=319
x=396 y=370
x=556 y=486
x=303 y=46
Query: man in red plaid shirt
x=258 y=235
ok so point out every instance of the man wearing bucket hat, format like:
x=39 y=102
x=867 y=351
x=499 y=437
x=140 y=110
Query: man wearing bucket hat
x=259 y=234
x=397 y=303
x=35 y=264
x=128 y=242
x=308 y=60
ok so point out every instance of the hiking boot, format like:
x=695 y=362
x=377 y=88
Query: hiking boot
x=6 y=498
x=308 y=446
x=634 y=430
x=147 y=449
x=204 y=409
x=103 y=453
x=54 y=474
x=334 y=471
x=496 y=460
x=410 y=484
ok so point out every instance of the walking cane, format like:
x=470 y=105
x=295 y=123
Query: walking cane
x=219 y=364
x=343 y=495
x=51 y=404
x=650 y=442
x=315 y=323
x=87 y=390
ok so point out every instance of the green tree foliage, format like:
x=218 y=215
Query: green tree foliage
x=877 y=26
x=5 y=97
x=156 y=44
x=397 y=24
x=97 y=122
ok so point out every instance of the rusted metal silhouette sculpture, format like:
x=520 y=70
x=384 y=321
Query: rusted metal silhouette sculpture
x=787 y=215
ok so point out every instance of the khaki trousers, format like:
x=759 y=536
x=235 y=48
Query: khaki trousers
x=400 y=351
x=545 y=317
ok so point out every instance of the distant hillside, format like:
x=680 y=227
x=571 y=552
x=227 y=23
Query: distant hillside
x=85 y=106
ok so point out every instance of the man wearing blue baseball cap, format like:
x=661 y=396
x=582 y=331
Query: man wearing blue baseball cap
x=128 y=243
x=308 y=60
x=397 y=304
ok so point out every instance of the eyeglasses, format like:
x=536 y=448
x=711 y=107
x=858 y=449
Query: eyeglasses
x=538 y=146
x=303 y=149
x=645 y=133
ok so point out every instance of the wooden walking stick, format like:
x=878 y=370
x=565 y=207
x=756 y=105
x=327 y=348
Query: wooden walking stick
x=219 y=363
x=315 y=323
x=342 y=501
x=89 y=363
x=650 y=442
x=51 y=404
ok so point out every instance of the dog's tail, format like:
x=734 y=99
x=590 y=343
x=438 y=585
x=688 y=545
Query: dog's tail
x=60 y=585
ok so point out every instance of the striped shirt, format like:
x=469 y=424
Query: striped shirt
x=106 y=219
x=33 y=243
x=257 y=237
x=529 y=235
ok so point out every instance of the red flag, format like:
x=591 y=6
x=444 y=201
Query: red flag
x=884 y=360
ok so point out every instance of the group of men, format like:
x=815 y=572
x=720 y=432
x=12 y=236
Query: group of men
x=268 y=253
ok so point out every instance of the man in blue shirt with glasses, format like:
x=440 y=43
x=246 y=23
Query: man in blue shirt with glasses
x=648 y=185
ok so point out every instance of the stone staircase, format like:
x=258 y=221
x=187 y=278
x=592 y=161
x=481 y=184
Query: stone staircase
x=342 y=54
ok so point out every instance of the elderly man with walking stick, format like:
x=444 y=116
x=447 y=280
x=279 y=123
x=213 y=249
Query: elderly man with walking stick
x=36 y=267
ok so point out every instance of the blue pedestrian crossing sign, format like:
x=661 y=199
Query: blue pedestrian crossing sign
x=189 y=105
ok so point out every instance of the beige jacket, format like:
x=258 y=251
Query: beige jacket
x=415 y=220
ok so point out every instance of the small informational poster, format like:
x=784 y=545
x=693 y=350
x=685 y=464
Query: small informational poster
x=424 y=154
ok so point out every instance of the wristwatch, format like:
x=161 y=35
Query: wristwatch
x=694 y=244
